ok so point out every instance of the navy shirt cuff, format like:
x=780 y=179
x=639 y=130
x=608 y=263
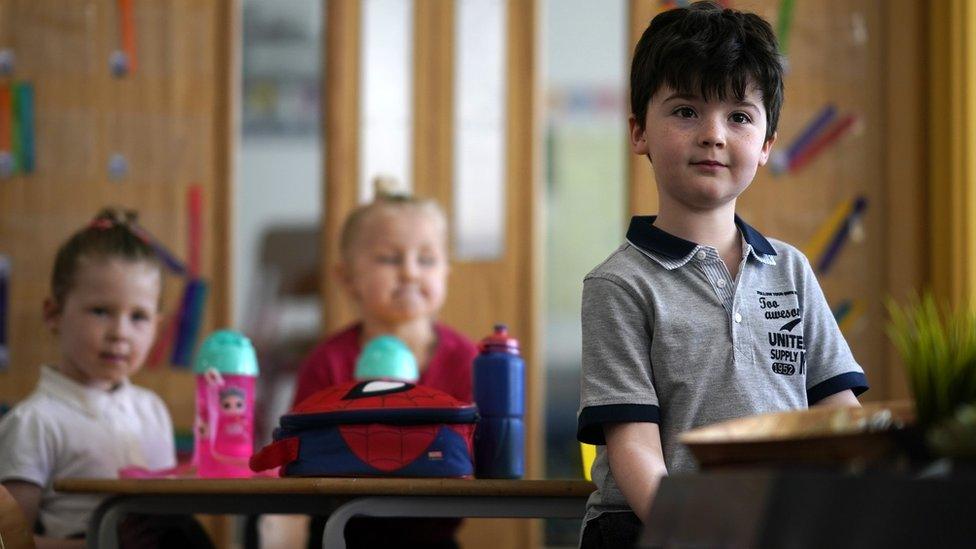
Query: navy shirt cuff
x=592 y=418
x=855 y=381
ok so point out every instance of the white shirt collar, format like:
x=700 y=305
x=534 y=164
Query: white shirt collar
x=88 y=400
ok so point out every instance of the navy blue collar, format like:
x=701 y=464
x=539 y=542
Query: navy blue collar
x=644 y=234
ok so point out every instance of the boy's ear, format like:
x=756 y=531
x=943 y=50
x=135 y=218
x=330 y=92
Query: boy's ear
x=766 y=149
x=51 y=312
x=638 y=139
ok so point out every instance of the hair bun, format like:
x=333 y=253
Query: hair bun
x=117 y=215
x=386 y=187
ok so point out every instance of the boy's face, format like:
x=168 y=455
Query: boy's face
x=704 y=153
x=397 y=271
x=108 y=320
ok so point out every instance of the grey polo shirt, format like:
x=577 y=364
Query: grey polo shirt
x=670 y=338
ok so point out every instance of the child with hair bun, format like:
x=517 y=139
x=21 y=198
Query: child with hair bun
x=394 y=266
x=85 y=419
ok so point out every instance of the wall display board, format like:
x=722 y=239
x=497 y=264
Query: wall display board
x=114 y=103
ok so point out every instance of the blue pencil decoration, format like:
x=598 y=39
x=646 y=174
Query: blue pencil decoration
x=781 y=162
x=24 y=113
x=173 y=264
x=4 y=295
x=840 y=237
x=191 y=317
x=823 y=118
x=195 y=292
x=847 y=313
x=841 y=310
x=169 y=258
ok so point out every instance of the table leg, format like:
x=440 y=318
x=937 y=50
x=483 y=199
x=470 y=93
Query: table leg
x=103 y=526
x=447 y=506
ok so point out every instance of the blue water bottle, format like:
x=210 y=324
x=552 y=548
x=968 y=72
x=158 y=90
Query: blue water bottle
x=499 y=440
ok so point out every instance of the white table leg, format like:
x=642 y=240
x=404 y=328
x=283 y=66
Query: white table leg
x=103 y=526
x=447 y=506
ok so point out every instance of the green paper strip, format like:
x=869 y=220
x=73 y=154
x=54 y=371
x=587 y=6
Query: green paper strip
x=24 y=114
x=15 y=139
x=783 y=25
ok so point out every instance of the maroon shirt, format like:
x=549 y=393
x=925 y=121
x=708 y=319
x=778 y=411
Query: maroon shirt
x=334 y=361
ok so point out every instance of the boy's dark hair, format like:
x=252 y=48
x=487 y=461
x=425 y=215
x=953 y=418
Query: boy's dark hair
x=111 y=234
x=704 y=49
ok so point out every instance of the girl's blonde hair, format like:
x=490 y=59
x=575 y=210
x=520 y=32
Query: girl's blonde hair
x=387 y=195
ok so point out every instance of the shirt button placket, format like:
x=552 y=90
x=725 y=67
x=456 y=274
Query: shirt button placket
x=734 y=334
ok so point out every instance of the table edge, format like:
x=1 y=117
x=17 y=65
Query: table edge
x=331 y=486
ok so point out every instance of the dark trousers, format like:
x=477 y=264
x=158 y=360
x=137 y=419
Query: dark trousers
x=156 y=532
x=406 y=533
x=611 y=531
x=361 y=532
x=162 y=532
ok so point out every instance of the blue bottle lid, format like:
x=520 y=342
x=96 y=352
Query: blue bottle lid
x=499 y=342
x=386 y=357
x=228 y=352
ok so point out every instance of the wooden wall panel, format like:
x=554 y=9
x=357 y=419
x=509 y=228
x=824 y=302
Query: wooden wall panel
x=433 y=101
x=952 y=134
x=642 y=192
x=341 y=110
x=905 y=212
x=172 y=121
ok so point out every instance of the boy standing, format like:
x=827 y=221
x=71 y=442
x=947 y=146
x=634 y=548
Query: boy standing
x=698 y=318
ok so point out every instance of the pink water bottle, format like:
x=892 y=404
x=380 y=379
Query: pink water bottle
x=226 y=368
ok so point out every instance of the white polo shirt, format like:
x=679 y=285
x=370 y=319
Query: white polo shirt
x=670 y=337
x=65 y=429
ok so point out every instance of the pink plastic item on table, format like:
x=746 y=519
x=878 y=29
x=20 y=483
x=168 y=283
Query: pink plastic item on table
x=226 y=370
x=224 y=429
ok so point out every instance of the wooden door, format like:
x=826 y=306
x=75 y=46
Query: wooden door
x=481 y=293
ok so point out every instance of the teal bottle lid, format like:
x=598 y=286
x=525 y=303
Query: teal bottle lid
x=386 y=357
x=228 y=352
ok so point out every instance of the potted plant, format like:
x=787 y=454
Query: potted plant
x=938 y=348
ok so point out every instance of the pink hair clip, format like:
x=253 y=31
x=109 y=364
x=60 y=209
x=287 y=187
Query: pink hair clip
x=101 y=224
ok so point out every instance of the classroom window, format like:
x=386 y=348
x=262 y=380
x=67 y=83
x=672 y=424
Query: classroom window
x=386 y=108
x=479 y=130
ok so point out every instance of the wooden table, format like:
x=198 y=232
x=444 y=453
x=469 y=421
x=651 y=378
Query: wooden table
x=805 y=508
x=374 y=497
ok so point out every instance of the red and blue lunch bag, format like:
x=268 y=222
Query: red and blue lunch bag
x=374 y=428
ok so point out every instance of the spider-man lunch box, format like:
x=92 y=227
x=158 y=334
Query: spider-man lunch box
x=374 y=428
